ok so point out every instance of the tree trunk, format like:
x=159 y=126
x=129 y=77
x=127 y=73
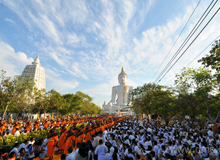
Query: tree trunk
x=3 y=116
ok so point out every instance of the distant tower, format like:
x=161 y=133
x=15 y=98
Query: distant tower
x=36 y=72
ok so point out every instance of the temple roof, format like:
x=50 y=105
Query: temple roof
x=36 y=61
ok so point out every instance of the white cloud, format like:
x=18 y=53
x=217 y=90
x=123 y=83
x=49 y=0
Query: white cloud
x=12 y=62
x=9 y=20
x=55 y=81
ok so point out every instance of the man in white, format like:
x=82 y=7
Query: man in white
x=17 y=133
x=155 y=148
x=210 y=132
x=101 y=150
x=23 y=145
x=71 y=155
x=15 y=149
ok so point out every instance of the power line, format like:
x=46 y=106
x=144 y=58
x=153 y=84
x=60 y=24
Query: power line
x=199 y=22
x=177 y=38
x=190 y=44
x=195 y=57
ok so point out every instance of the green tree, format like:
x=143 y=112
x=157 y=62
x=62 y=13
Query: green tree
x=14 y=92
x=72 y=103
x=153 y=99
x=90 y=108
x=41 y=102
x=195 y=87
x=213 y=59
x=56 y=101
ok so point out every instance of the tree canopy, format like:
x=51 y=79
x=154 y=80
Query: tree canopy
x=18 y=95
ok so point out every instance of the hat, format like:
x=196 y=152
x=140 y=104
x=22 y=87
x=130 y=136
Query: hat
x=83 y=145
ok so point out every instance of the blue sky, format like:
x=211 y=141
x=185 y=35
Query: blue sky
x=83 y=44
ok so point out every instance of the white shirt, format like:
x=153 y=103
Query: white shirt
x=22 y=146
x=101 y=150
x=210 y=133
x=15 y=150
x=131 y=155
x=71 y=156
x=136 y=149
x=126 y=152
x=155 y=149
x=17 y=133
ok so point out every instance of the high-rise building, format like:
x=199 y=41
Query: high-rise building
x=36 y=73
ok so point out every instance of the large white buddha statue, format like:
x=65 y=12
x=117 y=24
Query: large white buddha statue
x=122 y=90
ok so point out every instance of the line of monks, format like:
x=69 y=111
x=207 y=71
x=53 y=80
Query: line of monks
x=74 y=136
x=68 y=138
x=28 y=125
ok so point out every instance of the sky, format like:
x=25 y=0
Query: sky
x=83 y=44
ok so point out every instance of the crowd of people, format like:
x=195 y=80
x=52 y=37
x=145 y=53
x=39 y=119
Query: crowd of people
x=121 y=138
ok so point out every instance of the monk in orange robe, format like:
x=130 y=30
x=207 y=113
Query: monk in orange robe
x=14 y=129
x=9 y=119
x=52 y=123
x=63 y=122
x=93 y=132
x=88 y=135
x=52 y=143
x=63 y=133
x=58 y=123
x=70 y=141
x=46 y=124
x=80 y=138
x=28 y=127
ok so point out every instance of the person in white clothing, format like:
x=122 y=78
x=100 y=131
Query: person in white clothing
x=210 y=132
x=17 y=133
x=155 y=148
x=23 y=145
x=101 y=150
x=15 y=149
x=71 y=155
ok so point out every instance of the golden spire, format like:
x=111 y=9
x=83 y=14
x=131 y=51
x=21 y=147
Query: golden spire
x=122 y=69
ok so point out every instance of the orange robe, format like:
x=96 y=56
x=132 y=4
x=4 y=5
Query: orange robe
x=57 y=124
x=9 y=120
x=88 y=136
x=14 y=130
x=69 y=142
x=46 y=125
x=93 y=132
x=80 y=139
x=28 y=128
x=52 y=124
x=51 y=145
x=62 y=140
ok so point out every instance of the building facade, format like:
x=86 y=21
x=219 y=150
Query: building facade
x=36 y=73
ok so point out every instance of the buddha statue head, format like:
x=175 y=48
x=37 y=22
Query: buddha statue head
x=122 y=77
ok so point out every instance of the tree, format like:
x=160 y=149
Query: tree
x=213 y=59
x=153 y=99
x=85 y=97
x=56 y=101
x=72 y=103
x=41 y=102
x=90 y=108
x=14 y=91
x=196 y=87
